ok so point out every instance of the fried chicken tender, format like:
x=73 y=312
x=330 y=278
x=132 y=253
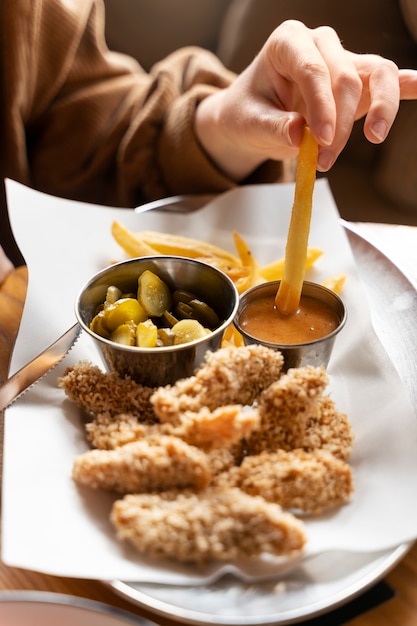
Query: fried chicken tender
x=229 y=376
x=285 y=408
x=307 y=481
x=106 y=392
x=147 y=465
x=107 y=431
x=220 y=428
x=206 y=429
x=215 y=523
x=330 y=430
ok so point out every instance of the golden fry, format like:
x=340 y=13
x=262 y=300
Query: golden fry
x=244 y=269
x=248 y=260
x=335 y=283
x=289 y=292
x=232 y=337
x=275 y=270
x=165 y=243
x=131 y=244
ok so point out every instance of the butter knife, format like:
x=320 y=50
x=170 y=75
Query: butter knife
x=30 y=373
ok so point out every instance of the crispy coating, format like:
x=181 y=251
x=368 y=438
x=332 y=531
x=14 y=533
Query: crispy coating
x=206 y=475
x=147 y=465
x=206 y=429
x=107 y=431
x=285 y=408
x=307 y=481
x=106 y=392
x=329 y=430
x=229 y=376
x=219 y=428
x=216 y=523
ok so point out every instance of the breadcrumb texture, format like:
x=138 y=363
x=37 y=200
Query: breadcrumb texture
x=217 y=523
x=219 y=465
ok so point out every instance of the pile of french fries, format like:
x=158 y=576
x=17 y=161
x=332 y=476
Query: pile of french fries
x=242 y=267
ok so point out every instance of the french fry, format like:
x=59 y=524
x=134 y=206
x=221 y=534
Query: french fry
x=289 y=292
x=335 y=283
x=232 y=337
x=165 y=243
x=275 y=270
x=132 y=245
x=249 y=261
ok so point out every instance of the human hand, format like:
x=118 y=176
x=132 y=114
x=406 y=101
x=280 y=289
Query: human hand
x=300 y=76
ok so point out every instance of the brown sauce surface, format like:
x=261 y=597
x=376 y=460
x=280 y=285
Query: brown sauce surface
x=313 y=320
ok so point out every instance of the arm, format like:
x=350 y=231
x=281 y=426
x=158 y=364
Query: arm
x=87 y=123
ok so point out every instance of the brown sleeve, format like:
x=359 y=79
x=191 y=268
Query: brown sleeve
x=87 y=123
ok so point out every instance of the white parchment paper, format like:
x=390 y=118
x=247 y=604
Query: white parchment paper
x=51 y=525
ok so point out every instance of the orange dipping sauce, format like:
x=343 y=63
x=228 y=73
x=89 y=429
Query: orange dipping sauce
x=313 y=320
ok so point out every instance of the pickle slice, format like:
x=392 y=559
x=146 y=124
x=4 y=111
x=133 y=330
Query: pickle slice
x=98 y=325
x=165 y=337
x=204 y=313
x=182 y=295
x=124 y=310
x=153 y=294
x=124 y=334
x=188 y=330
x=185 y=311
x=146 y=334
x=113 y=293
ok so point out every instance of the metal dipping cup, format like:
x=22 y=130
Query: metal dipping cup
x=164 y=365
x=316 y=352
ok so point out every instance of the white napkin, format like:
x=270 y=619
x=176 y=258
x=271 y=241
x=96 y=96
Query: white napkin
x=51 y=525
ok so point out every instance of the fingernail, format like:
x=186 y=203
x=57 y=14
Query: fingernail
x=326 y=135
x=325 y=160
x=286 y=131
x=379 y=130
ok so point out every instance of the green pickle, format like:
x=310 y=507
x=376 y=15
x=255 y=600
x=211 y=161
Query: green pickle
x=153 y=294
x=156 y=317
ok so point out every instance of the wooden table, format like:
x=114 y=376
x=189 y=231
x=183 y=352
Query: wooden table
x=401 y=610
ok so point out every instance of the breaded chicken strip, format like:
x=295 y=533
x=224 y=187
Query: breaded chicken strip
x=206 y=429
x=107 y=431
x=285 y=408
x=147 y=465
x=215 y=523
x=329 y=430
x=229 y=376
x=99 y=392
x=306 y=481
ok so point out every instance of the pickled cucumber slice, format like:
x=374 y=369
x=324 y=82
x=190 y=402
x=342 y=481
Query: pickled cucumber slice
x=146 y=334
x=185 y=311
x=153 y=294
x=98 y=326
x=165 y=337
x=188 y=330
x=204 y=313
x=124 y=310
x=113 y=293
x=170 y=318
x=182 y=295
x=124 y=334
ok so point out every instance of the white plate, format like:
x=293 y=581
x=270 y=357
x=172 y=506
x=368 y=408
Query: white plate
x=328 y=581
x=323 y=581
x=26 y=608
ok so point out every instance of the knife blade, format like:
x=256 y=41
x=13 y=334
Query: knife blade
x=33 y=371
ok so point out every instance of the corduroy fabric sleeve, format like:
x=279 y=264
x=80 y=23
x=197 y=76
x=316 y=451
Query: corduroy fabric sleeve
x=91 y=124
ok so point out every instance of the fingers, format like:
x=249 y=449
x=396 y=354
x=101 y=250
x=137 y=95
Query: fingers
x=332 y=87
x=381 y=96
x=346 y=91
x=408 y=84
